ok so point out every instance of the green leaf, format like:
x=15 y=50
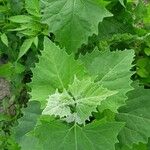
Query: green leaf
x=33 y=7
x=139 y=146
x=3 y=9
x=29 y=142
x=28 y=121
x=147 y=51
x=21 y=19
x=18 y=68
x=102 y=2
x=55 y=70
x=143 y=67
x=56 y=135
x=16 y=6
x=36 y=40
x=112 y=70
x=137 y=118
x=122 y=2
x=84 y=98
x=4 y=39
x=73 y=21
x=146 y=16
x=58 y=104
x=25 y=47
x=6 y=70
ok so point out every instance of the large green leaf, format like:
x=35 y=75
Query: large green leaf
x=139 y=146
x=137 y=118
x=55 y=135
x=82 y=99
x=112 y=70
x=28 y=121
x=55 y=70
x=29 y=142
x=26 y=124
x=73 y=21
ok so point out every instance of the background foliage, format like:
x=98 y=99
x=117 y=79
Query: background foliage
x=114 y=25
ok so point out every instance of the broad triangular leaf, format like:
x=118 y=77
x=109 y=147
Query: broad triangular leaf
x=55 y=70
x=112 y=70
x=73 y=21
x=137 y=118
x=82 y=99
x=55 y=135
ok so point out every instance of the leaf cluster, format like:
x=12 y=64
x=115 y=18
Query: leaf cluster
x=74 y=74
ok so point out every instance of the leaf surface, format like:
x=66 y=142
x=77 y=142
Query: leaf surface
x=4 y=39
x=25 y=125
x=84 y=98
x=73 y=21
x=33 y=7
x=55 y=70
x=95 y=136
x=25 y=47
x=28 y=121
x=112 y=70
x=21 y=19
x=122 y=2
x=58 y=104
x=137 y=118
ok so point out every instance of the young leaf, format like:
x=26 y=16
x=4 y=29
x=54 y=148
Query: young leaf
x=73 y=21
x=59 y=104
x=137 y=118
x=112 y=70
x=56 y=135
x=36 y=40
x=25 y=47
x=55 y=70
x=4 y=39
x=21 y=19
x=84 y=98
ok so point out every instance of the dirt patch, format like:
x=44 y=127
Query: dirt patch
x=4 y=88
